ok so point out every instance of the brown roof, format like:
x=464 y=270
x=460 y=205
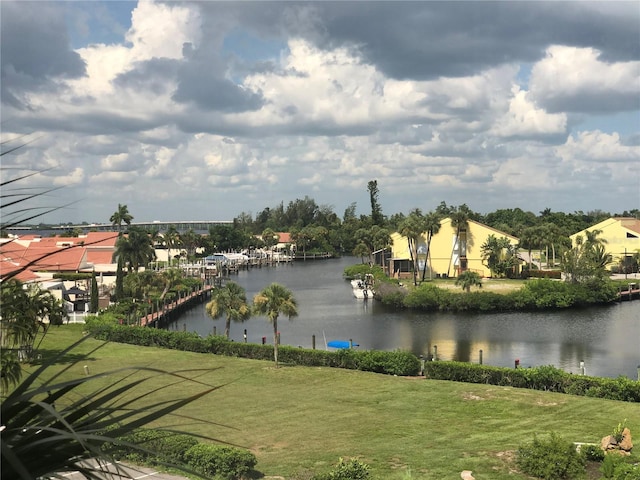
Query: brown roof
x=632 y=224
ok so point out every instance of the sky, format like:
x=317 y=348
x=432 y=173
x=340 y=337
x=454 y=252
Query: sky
x=204 y=110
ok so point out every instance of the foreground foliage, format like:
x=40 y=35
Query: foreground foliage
x=51 y=426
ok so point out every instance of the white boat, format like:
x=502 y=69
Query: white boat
x=363 y=293
x=363 y=288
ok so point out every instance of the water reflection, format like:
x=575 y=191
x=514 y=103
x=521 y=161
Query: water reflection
x=607 y=339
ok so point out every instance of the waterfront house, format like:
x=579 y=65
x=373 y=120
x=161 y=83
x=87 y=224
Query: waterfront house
x=449 y=254
x=621 y=236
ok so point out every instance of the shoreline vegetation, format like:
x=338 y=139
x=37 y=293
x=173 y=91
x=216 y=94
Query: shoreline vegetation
x=490 y=295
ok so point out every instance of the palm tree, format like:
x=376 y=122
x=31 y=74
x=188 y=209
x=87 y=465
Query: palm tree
x=270 y=238
x=171 y=240
x=24 y=311
x=468 y=279
x=412 y=227
x=171 y=277
x=230 y=300
x=432 y=227
x=460 y=221
x=273 y=301
x=135 y=249
x=121 y=215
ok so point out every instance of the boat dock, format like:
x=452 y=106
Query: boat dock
x=163 y=314
x=632 y=292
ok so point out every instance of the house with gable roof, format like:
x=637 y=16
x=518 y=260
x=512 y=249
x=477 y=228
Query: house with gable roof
x=449 y=254
x=620 y=234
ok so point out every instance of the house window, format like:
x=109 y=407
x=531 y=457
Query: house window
x=631 y=235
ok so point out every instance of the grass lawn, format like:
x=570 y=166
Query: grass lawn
x=497 y=285
x=299 y=419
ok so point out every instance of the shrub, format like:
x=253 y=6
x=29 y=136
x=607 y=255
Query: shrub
x=550 y=459
x=350 y=469
x=153 y=447
x=224 y=462
x=546 y=378
x=593 y=453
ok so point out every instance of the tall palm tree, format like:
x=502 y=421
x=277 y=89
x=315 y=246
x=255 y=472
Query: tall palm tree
x=273 y=301
x=121 y=215
x=412 y=227
x=171 y=240
x=230 y=300
x=432 y=227
x=460 y=221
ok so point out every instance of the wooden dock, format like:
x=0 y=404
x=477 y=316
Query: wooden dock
x=165 y=313
x=632 y=292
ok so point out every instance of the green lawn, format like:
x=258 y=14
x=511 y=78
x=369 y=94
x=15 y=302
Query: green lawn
x=298 y=419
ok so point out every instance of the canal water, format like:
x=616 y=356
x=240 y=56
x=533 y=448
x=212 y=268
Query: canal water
x=606 y=339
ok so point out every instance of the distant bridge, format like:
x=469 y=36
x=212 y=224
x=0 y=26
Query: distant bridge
x=199 y=226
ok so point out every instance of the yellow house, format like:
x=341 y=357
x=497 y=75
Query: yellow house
x=622 y=236
x=448 y=255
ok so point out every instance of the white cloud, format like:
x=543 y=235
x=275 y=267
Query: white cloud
x=576 y=79
x=597 y=147
x=525 y=120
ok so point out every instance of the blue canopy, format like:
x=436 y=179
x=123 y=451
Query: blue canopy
x=341 y=344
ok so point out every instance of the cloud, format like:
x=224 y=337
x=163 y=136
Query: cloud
x=573 y=79
x=35 y=51
x=212 y=108
x=524 y=120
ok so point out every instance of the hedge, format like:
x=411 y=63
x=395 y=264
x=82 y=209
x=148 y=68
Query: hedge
x=157 y=447
x=546 y=378
x=400 y=363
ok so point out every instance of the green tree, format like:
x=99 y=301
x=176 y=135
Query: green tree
x=468 y=279
x=376 y=210
x=171 y=239
x=95 y=300
x=432 y=226
x=26 y=312
x=498 y=255
x=119 y=287
x=460 y=217
x=230 y=300
x=135 y=249
x=121 y=215
x=270 y=238
x=412 y=227
x=273 y=301
x=171 y=277
x=587 y=260
x=190 y=240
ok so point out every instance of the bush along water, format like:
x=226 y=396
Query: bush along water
x=399 y=363
x=536 y=294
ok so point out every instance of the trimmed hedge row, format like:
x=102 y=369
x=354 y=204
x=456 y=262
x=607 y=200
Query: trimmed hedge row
x=390 y=363
x=546 y=378
x=399 y=363
x=157 y=447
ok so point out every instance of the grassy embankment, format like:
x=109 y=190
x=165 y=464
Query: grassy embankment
x=298 y=419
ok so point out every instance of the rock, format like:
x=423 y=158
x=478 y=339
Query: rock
x=625 y=443
x=466 y=475
x=608 y=443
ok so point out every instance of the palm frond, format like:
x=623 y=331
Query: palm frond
x=51 y=425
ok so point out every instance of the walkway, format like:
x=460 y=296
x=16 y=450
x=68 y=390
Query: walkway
x=176 y=304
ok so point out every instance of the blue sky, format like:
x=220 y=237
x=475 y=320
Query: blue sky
x=204 y=110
